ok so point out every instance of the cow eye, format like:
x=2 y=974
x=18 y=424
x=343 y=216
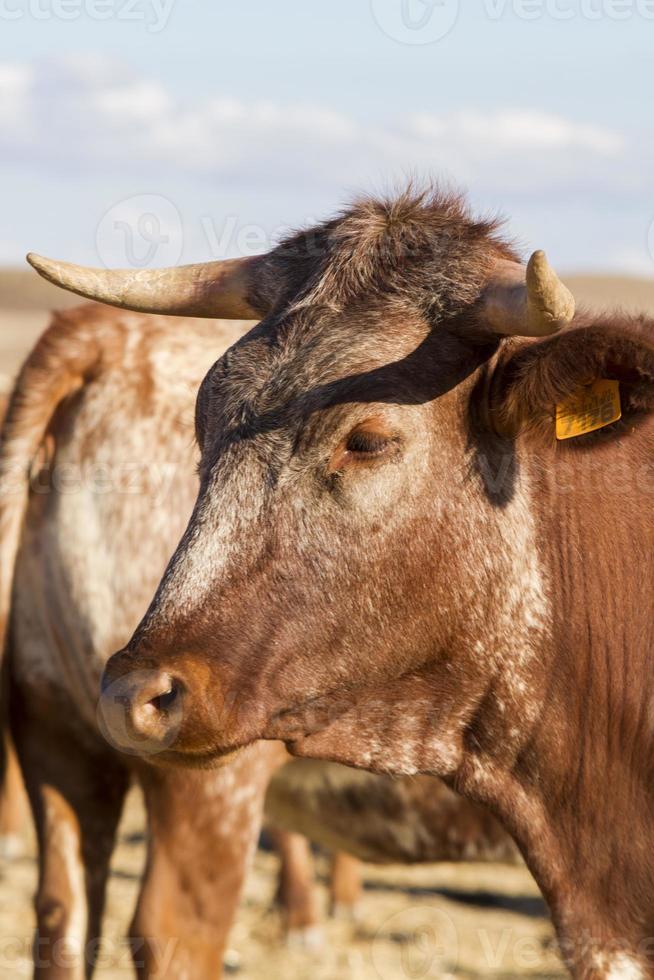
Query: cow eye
x=364 y=443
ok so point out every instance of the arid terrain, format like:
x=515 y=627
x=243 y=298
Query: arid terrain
x=469 y=920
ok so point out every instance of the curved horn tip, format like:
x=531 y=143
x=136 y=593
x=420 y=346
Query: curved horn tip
x=538 y=268
x=34 y=259
x=547 y=294
x=44 y=267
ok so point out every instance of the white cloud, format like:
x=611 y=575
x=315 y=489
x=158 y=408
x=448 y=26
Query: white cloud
x=139 y=101
x=15 y=83
x=517 y=130
x=581 y=189
x=96 y=113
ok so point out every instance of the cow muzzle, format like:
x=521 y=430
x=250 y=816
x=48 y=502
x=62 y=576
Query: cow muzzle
x=176 y=708
x=141 y=711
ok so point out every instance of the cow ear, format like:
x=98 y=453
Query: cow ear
x=532 y=379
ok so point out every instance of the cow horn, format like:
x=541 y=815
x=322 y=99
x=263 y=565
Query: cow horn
x=531 y=302
x=209 y=289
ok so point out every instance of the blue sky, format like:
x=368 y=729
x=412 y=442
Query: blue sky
x=177 y=130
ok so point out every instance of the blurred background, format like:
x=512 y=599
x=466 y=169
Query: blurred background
x=151 y=132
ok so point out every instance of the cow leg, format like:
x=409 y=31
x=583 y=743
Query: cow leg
x=76 y=799
x=345 y=886
x=13 y=807
x=296 y=895
x=203 y=830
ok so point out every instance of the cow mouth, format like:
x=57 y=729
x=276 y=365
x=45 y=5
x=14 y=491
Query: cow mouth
x=209 y=759
x=286 y=729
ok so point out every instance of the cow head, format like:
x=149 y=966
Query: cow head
x=360 y=574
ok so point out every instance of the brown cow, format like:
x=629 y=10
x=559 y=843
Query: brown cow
x=102 y=417
x=394 y=563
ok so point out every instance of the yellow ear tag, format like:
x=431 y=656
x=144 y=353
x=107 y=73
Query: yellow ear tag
x=591 y=407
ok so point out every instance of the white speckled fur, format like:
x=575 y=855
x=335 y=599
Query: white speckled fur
x=618 y=966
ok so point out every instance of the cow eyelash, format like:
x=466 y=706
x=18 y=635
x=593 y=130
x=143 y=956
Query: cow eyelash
x=362 y=443
x=363 y=446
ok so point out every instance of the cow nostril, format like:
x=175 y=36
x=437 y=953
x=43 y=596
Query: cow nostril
x=164 y=702
x=141 y=710
x=155 y=712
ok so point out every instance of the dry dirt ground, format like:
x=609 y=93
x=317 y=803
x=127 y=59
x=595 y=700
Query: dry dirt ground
x=468 y=920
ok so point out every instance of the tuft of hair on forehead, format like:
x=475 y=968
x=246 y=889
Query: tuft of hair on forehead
x=420 y=248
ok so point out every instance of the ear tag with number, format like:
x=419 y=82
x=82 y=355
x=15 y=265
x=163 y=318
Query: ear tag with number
x=591 y=407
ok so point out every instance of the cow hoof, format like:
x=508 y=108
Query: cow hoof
x=232 y=961
x=345 y=912
x=308 y=938
x=11 y=847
